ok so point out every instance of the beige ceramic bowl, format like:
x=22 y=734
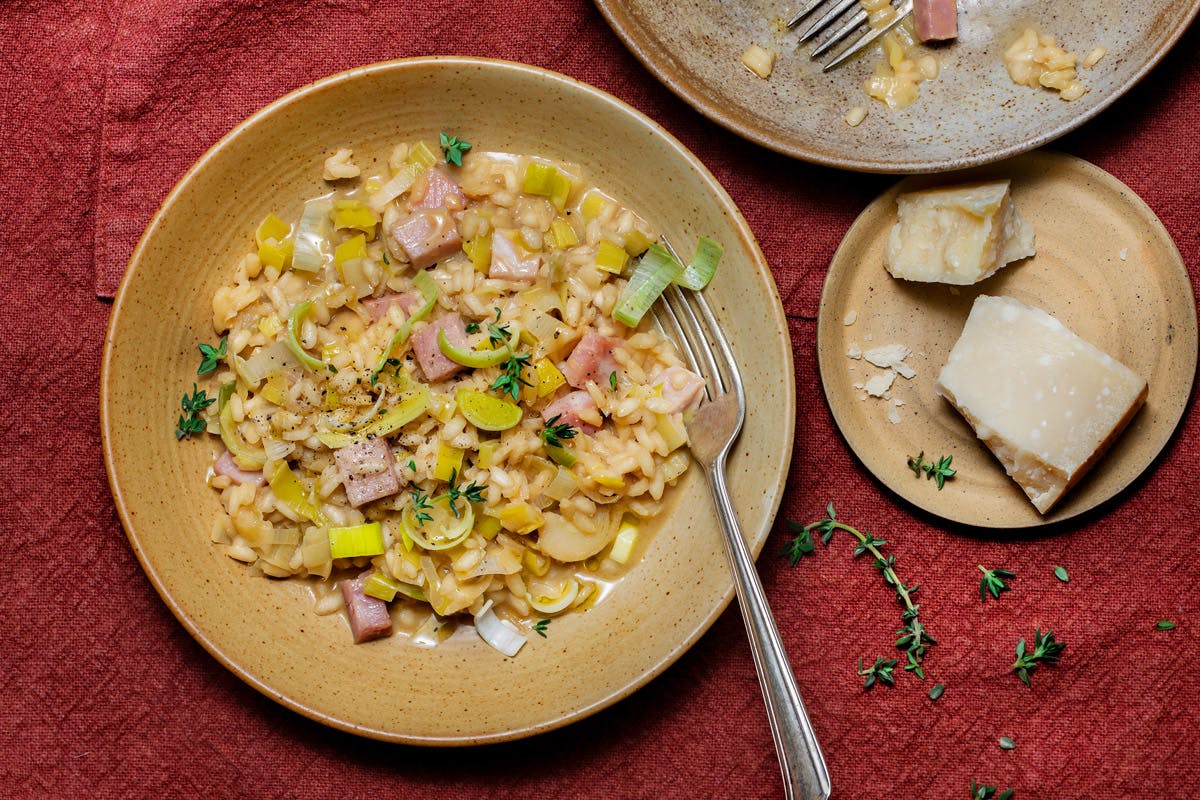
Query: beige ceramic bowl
x=461 y=692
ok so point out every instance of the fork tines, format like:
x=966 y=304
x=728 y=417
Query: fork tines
x=836 y=11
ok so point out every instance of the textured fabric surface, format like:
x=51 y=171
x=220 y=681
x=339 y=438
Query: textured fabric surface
x=106 y=104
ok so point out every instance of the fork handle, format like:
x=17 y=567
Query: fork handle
x=805 y=776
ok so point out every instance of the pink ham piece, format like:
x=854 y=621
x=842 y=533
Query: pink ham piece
x=378 y=307
x=433 y=362
x=591 y=360
x=225 y=465
x=576 y=409
x=935 y=20
x=425 y=237
x=368 y=471
x=680 y=387
x=507 y=263
x=434 y=189
x=369 y=617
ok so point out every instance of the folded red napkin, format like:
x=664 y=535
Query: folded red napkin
x=108 y=697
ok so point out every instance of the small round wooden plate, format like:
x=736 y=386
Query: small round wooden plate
x=1105 y=267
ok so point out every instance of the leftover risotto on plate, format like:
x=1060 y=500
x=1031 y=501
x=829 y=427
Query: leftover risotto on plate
x=439 y=397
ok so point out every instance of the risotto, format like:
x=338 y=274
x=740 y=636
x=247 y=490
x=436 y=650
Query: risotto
x=429 y=409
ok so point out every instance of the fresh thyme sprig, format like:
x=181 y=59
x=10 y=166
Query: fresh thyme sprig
x=993 y=583
x=1045 y=651
x=193 y=405
x=554 y=432
x=939 y=470
x=473 y=492
x=497 y=333
x=510 y=379
x=421 y=506
x=211 y=356
x=539 y=627
x=913 y=639
x=453 y=148
x=880 y=671
x=981 y=792
x=472 y=327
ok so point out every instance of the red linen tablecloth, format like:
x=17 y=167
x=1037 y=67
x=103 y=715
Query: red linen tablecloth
x=105 y=104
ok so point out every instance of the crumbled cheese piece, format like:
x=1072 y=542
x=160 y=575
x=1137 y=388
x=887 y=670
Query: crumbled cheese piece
x=904 y=370
x=1046 y=402
x=854 y=351
x=855 y=116
x=851 y=317
x=887 y=355
x=893 y=412
x=957 y=234
x=894 y=82
x=1124 y=253
x=759 y=60
x=877 y=384
x=339 y=166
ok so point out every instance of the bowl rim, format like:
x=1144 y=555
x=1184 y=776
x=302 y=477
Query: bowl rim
x=776 y=317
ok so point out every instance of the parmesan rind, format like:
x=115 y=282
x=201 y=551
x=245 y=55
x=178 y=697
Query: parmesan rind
x=957 y=235
x=1044 y=401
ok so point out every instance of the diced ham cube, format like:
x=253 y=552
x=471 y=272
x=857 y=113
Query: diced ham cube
x=507 y=263
x=369 y=617
x=434 y=188
x=425 y=236
x=368 y=471
x=935 y=20
x=225 y=465
x=433 y=362
x=680 y=387
x=577 y=409
x=378 y=307
x=591 y=360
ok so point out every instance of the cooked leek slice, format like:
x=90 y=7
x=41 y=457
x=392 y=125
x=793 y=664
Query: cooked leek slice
x=444 y=530
x=311 y=243
x=350 y=250
x=246 y=456
x=703 y=265
x=636 y=242
x=563 y=486
x=610 y=257
x=479 y=250
x=414 y=403
x=270 y=359
x=487 y=452
x=396 y=186
x=539 y=179
x=622 y=546
x=548 y=377
x=292 y=493
x=561 y=455
x=384 y=588
x=354 y=215
x=486 y=412
x=296 y=318
x=500 y=634
x=449 y=462
x=488 y=526
x=274 y=246
x=356 y=540
x=654 y=272
x=475 y=359
x=558 y=603
x=521 y=518
x=429 y=292
x=421 y=155
x=564 y=235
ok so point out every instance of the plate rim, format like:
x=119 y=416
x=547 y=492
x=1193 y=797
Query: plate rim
x=826 y=361
x=618 y=19
x=756 y=539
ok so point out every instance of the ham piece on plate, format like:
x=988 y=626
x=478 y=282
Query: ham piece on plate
x=680 y=387
x=225 y=465
x=577 y=409
x=434 y=364
x=591 y=360
x=369 y=618
x=436 y=189
x=935 y=20
x=368 y=471
x=425 y=236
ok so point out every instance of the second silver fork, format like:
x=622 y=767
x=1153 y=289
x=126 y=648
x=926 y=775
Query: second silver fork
x=712 y=433
x=833 y=11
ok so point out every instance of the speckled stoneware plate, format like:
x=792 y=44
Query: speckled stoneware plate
x=462 y=691
x=1105 y=267
x=971 y=114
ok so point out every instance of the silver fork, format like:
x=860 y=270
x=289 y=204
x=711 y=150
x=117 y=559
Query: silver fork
x=712 y=433
x=836 y=9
